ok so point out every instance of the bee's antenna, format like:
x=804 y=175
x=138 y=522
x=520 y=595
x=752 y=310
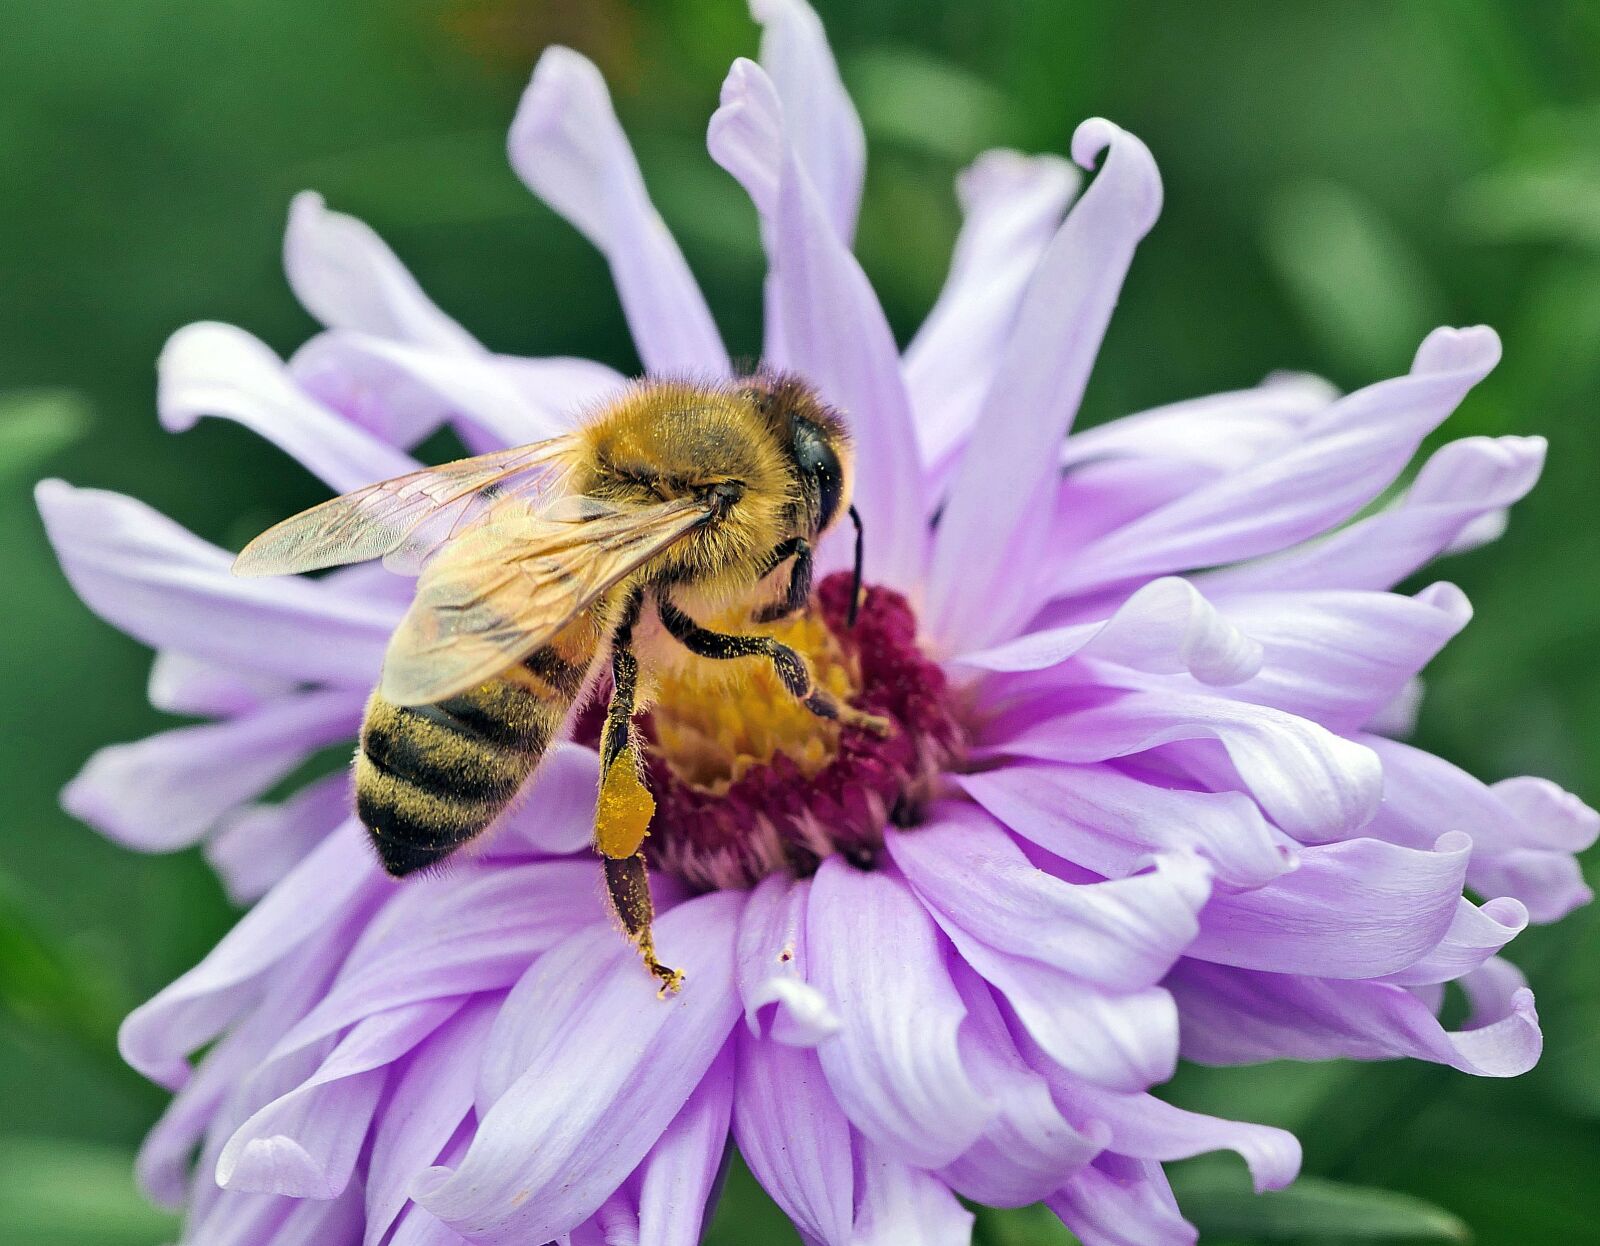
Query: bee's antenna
x=855 y=578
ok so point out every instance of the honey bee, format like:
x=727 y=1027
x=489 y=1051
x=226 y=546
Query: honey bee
x=541 y=565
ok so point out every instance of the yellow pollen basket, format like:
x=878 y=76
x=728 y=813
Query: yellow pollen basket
x=715 y=721
x=622 y=817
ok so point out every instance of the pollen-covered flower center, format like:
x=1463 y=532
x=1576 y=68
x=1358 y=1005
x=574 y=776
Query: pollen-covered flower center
x=748 y=781
x=714 y=722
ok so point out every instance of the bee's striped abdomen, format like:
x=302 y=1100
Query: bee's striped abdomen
x=429 y=778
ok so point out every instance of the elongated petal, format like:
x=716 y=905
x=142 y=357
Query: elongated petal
x=827 y=132
x=1011 y=205
x=338 y=878
x=430 y=1097
x=1212 y=435
x=305 y=1144
x=254 y=847
x=999 y=499
x=1462 y=484
x=1347 y=457
x=679 y=1175
x=554 y=814
x=1339 y=657
x=1124 y=934
x=263 y=1219
x=180 y=684
x=1165 y=627
x=793 y=1134
x=1525 y=831
x=202 y=1108
x=1122 y=1040
x=1240 y=1016
x=412 y=389
x=1112 y=822
x=567 y=146
x=899 y=1203
x=772 y=966
x=1359 y=909
x=1117 y=1201
x=1474 y=936
x=162 y=585
x=1144 y=1127
x=832 y=330
x=1029 y=1145
x=216 y=369
x=895 y=1064
x=1315 y=785
x=166 y=791
x=600 y=1083
x=471 y=930
x=348 y=278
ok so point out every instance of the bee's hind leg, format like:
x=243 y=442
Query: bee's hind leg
x=789 y=666
x=625 y=807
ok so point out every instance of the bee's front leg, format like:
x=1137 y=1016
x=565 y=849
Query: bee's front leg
x=788 y=665
x=625 y=807
x=799 y=591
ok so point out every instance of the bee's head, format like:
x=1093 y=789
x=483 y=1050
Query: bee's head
x=814 y=439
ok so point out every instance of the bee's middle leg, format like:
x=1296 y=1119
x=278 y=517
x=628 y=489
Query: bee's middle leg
x=789 y=666
x=625 y=807
x=799 y=590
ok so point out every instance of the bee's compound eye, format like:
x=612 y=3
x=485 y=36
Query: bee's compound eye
x=820 y=465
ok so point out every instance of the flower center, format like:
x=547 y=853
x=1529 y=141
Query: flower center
x=747 y=781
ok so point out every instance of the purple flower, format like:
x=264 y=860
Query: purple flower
x=1149 y=798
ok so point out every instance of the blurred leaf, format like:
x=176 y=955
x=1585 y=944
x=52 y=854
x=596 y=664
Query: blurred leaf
x=1552 y=357
x=59 y=1193
x=745 y=1214
x=48 y=984
x=446 y=179
x=34 y=425
x=1020 y=1226
x=1312 y=1208
x=1569 y=1001
x=1548 y=191
x=907 y=97
x=1358 y=283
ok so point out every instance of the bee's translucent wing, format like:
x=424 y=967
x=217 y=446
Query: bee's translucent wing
x=407 y=517
x=511 y=582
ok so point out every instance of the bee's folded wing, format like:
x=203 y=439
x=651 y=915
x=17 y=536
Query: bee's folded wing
x=510 y=583
x=408 y=517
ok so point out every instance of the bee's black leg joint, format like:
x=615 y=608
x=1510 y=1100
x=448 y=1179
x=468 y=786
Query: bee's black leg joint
x=788 y=665
x=799 y=591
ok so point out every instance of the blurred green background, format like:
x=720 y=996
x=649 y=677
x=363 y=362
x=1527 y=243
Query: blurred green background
x=1340 y=177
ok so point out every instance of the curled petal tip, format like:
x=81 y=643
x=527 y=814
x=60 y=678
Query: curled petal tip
x=274 y=1165
x=1452 y=843
x=427 y=1183
x=1448 y=599
x=1128 y=161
